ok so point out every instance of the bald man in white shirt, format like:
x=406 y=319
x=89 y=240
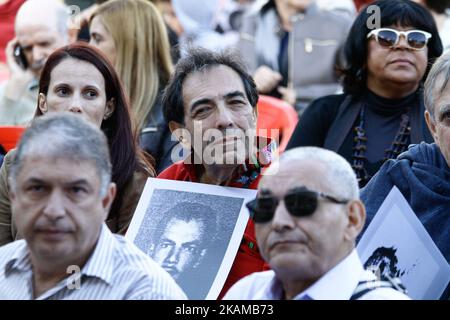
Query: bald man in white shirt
x=307 y=216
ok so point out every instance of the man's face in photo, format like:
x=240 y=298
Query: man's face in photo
x=180 y=246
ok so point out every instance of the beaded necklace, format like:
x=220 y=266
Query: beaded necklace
x=399 y=145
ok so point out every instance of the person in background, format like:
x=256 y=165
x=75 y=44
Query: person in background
x=41 y=26
x=173 y=25
x=292 y=49
x=8 y=11
x=381 y=110
x=440 y=11
x=132 y=34
x=361 y=4
x=79 y=79
x=203 y=24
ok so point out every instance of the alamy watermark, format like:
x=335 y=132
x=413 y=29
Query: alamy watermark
x=225 y=147
x=73 y=282
x=374 y=20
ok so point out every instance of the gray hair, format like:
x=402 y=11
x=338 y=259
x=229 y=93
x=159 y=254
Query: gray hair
x=340 y=174
x=64 y=136
x=52 y=7
x=441 y=66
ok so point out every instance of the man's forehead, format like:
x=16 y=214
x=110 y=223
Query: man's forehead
x=213 y=81
x=36 y=33
x=294 y=173
x=43 y=165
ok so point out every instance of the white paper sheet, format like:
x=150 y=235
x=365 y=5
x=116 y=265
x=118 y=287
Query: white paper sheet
x=159 y=195
x=405 y=248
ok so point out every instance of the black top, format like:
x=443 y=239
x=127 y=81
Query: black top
x=156 y=138
x=381 y=123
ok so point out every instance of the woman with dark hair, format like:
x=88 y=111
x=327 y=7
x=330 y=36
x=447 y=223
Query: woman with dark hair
x=381 y=111
x=78 y=78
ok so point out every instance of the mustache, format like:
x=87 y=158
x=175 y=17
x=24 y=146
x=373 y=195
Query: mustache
x=220 y=136
x=48 y=226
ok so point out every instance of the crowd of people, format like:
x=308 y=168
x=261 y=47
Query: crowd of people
x=134 y=89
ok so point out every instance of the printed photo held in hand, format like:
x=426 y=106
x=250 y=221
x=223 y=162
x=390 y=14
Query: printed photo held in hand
x=177 y=224
x=396 y=244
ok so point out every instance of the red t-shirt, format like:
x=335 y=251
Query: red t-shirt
x=248 y=259
x=8 y=13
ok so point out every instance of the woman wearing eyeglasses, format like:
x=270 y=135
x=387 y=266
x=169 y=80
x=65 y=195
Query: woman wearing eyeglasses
x=381 y=110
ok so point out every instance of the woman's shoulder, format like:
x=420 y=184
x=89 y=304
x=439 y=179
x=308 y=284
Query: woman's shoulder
x=327 y=105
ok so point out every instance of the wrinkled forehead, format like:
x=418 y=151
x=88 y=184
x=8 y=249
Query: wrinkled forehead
x=36 y=154
x=211 y=81
x=61 y=168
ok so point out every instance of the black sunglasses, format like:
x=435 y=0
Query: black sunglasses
x=300 y=202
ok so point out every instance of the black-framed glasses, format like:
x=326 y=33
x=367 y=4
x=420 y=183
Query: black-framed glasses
x=300 y=202
x=388 y=38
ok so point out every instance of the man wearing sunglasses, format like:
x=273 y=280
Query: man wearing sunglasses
x=422 y=174
x=307 y=216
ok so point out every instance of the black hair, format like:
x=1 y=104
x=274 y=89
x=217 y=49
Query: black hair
x=393 y=12
x=199 y=59
x=439 y=6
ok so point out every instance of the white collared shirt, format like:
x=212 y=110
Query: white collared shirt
x=116 y=270
x=339 y=283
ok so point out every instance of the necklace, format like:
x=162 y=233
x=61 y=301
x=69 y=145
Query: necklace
x=399 y=145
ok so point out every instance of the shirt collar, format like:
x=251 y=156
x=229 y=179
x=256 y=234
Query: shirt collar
x=339 y=283
x=101 y=262
x=20 y=260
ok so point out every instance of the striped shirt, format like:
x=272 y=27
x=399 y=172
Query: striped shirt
x=116 y=270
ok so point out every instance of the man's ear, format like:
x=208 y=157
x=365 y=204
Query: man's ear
x=431 y=126
x=356 y=213
x=173 y=126
x=108 y=198
x=109 y=110
x=42 y=103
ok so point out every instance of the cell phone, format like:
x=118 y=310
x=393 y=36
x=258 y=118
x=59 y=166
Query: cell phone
x=20 y=58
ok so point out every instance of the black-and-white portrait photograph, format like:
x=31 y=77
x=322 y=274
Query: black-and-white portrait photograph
x=189 y=234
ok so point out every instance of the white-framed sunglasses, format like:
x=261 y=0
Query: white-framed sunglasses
x=388 y=38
